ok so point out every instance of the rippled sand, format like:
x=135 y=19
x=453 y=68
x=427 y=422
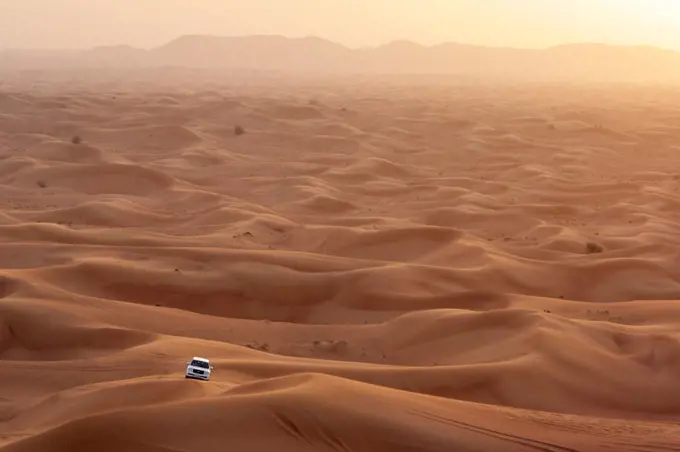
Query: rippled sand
x=370 y=267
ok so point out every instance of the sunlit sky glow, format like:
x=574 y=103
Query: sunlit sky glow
x=514 y=23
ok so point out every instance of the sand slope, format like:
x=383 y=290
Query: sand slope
x=370 y=267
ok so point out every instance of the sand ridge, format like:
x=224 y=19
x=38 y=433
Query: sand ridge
x=370 y=266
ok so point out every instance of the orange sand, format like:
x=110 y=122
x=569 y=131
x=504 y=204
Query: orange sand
x=372 y=266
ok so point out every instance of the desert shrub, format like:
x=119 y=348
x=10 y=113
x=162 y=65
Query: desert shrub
x=593 y=248
x=238 y=130
x=76 y=139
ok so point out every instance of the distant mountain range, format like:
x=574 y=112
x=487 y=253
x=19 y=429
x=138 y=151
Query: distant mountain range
x=319 y=56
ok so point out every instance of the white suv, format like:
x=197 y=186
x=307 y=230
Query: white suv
x=199 y=368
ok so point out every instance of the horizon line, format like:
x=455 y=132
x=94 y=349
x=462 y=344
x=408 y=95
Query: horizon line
x=353 y=48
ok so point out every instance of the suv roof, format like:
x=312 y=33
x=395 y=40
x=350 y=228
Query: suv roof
x=198 y=358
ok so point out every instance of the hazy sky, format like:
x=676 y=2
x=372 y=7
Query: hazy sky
x=517 y=23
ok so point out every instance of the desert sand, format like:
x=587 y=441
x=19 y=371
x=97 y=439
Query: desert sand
x=374 y=265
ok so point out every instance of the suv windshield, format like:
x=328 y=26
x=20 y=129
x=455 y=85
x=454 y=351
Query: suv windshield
x=202 y=364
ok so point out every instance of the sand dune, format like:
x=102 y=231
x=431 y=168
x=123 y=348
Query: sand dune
x=369 y=266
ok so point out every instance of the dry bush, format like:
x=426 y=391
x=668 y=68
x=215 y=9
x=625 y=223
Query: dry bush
x=594 y=248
